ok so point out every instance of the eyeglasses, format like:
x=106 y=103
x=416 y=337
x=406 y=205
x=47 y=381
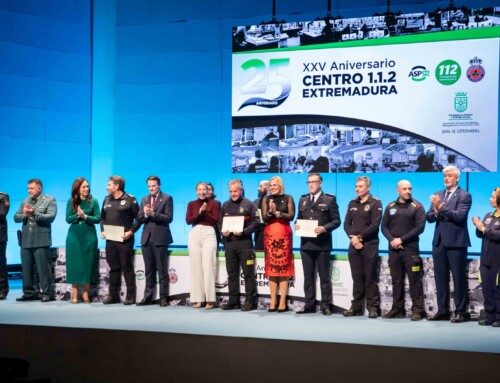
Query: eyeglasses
x=312 y=182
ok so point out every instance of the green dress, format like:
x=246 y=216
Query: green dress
x=81 y=243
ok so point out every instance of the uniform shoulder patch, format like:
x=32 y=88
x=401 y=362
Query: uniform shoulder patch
x=304 y=195
x=392 y=204
x=130 y=195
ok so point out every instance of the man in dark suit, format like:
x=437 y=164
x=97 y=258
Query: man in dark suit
x=156 y=213
x=449 y=210
x=4 y=277
x=37 y=212
x=315 y=251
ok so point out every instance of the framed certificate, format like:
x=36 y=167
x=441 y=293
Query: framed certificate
x=233 y=224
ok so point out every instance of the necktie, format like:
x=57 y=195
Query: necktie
x=447 y=196
x=312 y=198
x=153 y=200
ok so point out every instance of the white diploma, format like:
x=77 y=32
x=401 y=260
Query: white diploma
x=233 y=224
x=114 y=233
x=260 y=216
x=307 y=227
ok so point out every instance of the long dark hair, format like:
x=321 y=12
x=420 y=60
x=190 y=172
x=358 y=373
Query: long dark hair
x=75 y=193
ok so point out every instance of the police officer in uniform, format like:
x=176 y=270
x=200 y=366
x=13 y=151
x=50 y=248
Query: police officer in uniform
x=4 y=278
x=239 y=248
x=120 y=209
x=315 y=252
x=37 y=212
x=361 y=224
x=403 y=222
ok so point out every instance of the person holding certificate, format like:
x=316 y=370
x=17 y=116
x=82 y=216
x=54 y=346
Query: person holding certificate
x=82 y=213
x=203 y=214
x=118 y=225
x=238 y=220
x=320 y=211
x=278 y=210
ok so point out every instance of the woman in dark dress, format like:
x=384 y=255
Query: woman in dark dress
x=489 y=230
x=278 y=210
x=82 y=213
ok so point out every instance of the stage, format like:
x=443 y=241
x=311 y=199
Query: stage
x=99 y=343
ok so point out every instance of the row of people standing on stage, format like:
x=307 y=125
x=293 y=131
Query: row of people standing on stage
x=402 y=223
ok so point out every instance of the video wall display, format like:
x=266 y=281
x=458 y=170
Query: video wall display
x=388 y=93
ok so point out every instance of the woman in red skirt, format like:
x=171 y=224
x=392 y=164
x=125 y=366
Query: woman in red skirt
x=277 y=211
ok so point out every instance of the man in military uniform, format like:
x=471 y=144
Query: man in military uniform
x=4 y=278
x=315 y=251
x=120 y=209
x=403 y=222
x=361 y=225
x=37 y=212
x=263 y=191
x=239 y=248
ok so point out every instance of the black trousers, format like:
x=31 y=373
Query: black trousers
x=365 y=265
x=454 y=259
x=4 y=275
x=39 y=258
x=491 y=291
x=155 y=260
x=403 y=263
x=120 y=258
x=320 y=260
x=241 y=254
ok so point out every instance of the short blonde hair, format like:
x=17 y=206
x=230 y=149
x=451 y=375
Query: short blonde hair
x=279 y=181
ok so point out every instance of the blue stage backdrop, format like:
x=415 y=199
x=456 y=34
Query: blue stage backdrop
x=150 y=94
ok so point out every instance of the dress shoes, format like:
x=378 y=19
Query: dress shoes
x=373 y=314
x=231 y=306
x=439 y=317
x=459 y=318
x=306 y=310
x=144 y=302
x=47 y=298
x=3 y=294
x=247 y=306
x=111 y=300
x=25 y=298
x=352 y=313
x=394 y=313
x=484 y=322
x=129 y=300
x=326 y=311
x=496 y=323
x=163 y=302
x=416 y=316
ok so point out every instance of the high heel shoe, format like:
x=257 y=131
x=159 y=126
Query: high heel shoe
x=197 y=305
x=74 y=300
x=270 y=310
x=283 y=310
x=85 y=298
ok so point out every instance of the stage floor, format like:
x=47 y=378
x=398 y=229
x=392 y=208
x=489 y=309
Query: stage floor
x=255 y=324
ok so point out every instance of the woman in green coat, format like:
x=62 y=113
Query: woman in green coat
x=82 y=213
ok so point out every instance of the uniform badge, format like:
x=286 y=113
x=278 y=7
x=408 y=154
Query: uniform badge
x=241 y=209
x=122 y=202
x=367 y=207
x=497 y=223
x=487 y=221
x=304 y=203
x=393 y=211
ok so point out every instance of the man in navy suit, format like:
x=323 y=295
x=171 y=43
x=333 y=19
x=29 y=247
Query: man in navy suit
x=156 y=213
x=449 y=210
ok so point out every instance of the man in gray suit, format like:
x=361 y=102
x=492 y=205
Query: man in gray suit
x=36 y=213
x=156 y=213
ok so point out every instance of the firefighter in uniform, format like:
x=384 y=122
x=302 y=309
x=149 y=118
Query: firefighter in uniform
x=402 y=223
x=120 y=209
x=239 y=248
x=4 y=278
x=361 y=225
x=315 y=252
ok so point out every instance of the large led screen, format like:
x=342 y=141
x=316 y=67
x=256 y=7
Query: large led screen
x=392 y=93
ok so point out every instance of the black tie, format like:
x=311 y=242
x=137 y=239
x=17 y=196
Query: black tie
x=312 y=198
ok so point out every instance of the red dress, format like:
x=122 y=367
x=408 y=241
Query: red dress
x=278 y=241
